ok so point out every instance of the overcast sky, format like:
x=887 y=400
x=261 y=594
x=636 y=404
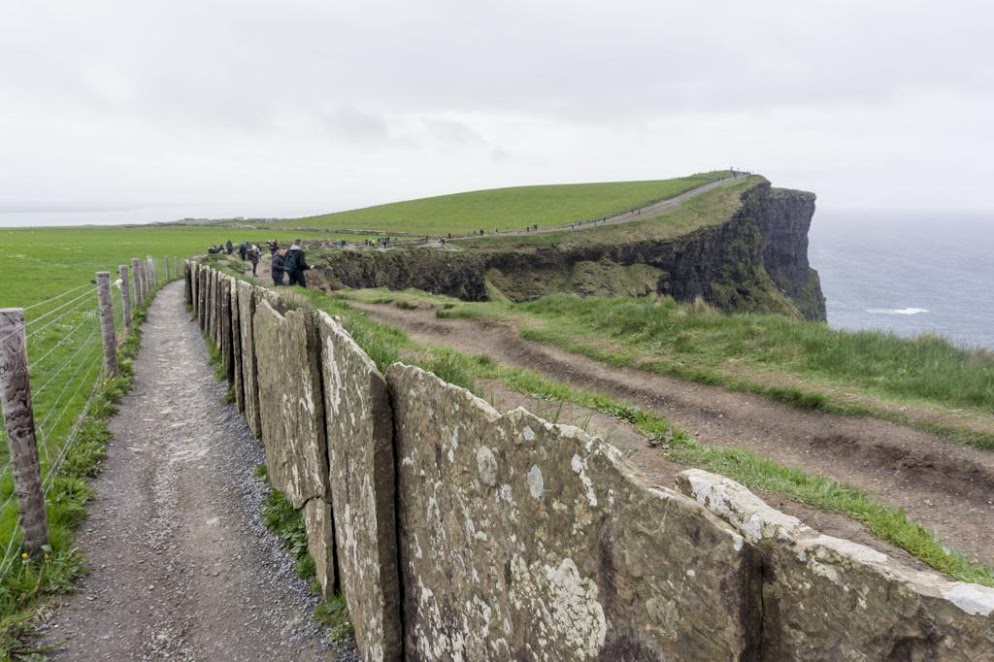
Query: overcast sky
x=250 y=107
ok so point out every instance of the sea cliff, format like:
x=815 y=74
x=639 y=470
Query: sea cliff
x=753 y=260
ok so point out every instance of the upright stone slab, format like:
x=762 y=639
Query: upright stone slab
x=187 y=283
x=211 y=299
x=317 y=516
x=520 y=539
x=208 y=301
x=236 y=347
x=194 y=270
x=211 y=308
x=290 y=403
x=250 y=382
x=831 y=599
x=224 y=328
x=360 y=457
x=202 y=298
x=216 y=307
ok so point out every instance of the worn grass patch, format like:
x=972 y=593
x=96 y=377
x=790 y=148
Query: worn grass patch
x=334 y=613
x=804 y=364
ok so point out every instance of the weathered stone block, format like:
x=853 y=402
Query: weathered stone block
x=224 y=328
x=361 y=463
x=290 y=403
x=321 y=544
x=831 y=599
x=521 y=539
x=250 y=383
x=187 y=283
x=236 y=347
x=216 y=307
x=202 y=298
x=211 y=303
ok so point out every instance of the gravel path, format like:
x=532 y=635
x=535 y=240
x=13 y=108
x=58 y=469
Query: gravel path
x=182 y=567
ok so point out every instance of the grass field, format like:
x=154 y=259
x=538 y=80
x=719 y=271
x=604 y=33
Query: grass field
x=44 y=262
x=507 y=208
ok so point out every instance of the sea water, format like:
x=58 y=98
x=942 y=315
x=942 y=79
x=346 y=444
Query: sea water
x=908 y=272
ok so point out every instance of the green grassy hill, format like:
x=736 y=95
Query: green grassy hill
x=506 y=208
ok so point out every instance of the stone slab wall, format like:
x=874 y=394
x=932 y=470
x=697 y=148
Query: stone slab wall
x=520 y=539
x=459 y=533
x=291 y=407
x=237 y=380
x=360 y=457
x=250 y=383
x=224 y=328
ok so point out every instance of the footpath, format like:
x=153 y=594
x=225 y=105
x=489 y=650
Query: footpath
x=182 y=567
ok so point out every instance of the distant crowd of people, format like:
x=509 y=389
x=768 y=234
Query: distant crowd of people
x=289 y=263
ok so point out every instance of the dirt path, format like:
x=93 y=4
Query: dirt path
x=946 y=487
x=182 y=567
x=624 y=217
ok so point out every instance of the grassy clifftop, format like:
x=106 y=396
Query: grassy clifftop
x=507 y=208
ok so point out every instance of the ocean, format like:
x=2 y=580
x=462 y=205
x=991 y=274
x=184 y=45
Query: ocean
x=908 y=272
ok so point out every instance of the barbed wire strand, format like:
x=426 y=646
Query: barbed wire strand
x=53 y=469
x=55 y=310
x=17 y=329
x=38 y=391
x=7 y=555
x=45 y=436
x=65 y=389
x=35 y=362
x=78 y=309
x=57 y=296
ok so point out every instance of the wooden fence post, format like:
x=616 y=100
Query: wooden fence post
x=15 y=394
x=107 y=324
x=137 y=273
x=169 y=275
x=122 y=271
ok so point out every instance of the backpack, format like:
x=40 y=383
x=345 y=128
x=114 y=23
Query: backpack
x=290 y=261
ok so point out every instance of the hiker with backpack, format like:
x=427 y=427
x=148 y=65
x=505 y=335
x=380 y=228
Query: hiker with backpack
x=278 y=266
x=295 y=265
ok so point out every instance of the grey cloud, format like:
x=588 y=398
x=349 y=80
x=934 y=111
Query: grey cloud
x=454 y=132
x=355 y=125
x=230 y=96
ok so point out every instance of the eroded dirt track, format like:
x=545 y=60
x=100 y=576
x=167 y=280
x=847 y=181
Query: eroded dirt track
x=947 y=487
x=182 y=567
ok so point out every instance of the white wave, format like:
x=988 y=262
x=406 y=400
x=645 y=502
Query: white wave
x=897 y=311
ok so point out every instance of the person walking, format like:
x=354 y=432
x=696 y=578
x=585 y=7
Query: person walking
x=277 y=269
x=295 y=264
x=254 y=258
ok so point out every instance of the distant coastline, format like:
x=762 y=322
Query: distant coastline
x=24 y=216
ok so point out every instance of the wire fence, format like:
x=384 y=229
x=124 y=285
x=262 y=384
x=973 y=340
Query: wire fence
x=65 y=352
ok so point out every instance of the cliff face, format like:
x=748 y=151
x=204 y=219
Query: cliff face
x=756 y=261
x=459 y=275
